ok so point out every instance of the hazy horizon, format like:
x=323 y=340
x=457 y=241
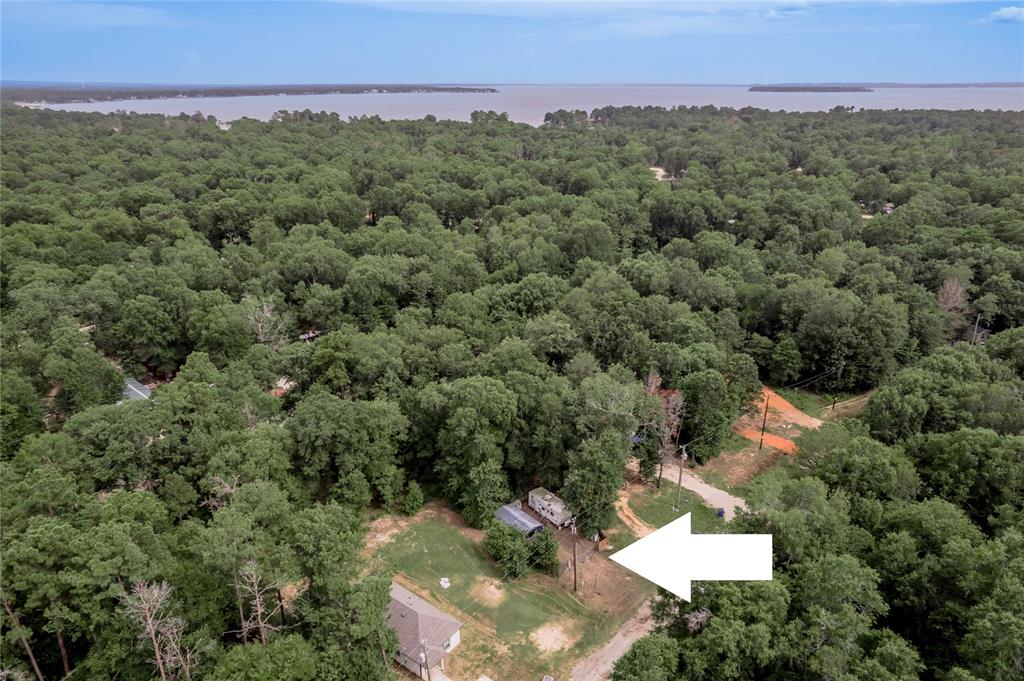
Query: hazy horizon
x=515 y=42
x=295 y=83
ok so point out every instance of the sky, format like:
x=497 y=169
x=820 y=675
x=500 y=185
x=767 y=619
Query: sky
x=524 y=41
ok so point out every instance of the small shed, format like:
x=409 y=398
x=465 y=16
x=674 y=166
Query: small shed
x=133 y=390
x=514 y=516
x=550 y=506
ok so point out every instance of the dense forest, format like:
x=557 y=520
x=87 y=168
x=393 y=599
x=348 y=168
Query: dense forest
x=342 y=315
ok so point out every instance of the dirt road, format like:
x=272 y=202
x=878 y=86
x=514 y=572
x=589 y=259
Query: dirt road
x=711 y=495
x=598 y=665
x=632 y=520
x=851 y=407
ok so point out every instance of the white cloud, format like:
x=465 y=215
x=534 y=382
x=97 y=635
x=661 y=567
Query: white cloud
x=1008 y=15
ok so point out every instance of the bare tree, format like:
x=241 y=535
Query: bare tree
x=261 y=615
x=696 y=620
x=9 y=674
x=651 y=416
x=267 y=326
x=142 y=606
x=178 y=657
x=675 y=405
x=952 y=299
x=148 y=606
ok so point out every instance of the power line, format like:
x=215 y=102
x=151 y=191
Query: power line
x=594 y=508
x=529 y=561
x=795 y=384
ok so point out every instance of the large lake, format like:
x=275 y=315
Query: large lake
x=529 y=103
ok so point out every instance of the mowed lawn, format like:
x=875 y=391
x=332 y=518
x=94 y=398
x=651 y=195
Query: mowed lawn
x=498 y=615
x=655 y=507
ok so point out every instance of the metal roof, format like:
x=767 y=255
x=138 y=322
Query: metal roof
x=416 y=621
x=512 y=515
x=133 y=390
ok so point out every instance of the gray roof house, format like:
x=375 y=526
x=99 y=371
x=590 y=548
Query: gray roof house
x=133 y=390
x=514 y=516
x=425 y=634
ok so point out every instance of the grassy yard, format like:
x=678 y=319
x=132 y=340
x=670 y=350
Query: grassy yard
x=810 y=403
x=734 y=442
x=655 y=507
x=507 y=624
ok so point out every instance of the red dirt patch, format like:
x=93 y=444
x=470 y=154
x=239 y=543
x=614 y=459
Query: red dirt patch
x=779 y=408
x=781 y=416
x=777 y=442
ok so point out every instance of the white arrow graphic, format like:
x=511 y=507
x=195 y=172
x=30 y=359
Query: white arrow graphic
x=671 y=557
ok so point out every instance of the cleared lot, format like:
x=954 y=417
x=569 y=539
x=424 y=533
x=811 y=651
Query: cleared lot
x=519 y=629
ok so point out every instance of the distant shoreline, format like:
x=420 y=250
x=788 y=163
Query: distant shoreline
x=530 y=104
x=40 y=92
x=808 y=88
x=67 y=94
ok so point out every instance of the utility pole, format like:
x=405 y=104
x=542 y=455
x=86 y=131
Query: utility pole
x=675 y=445
x=679 y=484
x=575 y=574
x=426 y=662
x=835 y=396
x=974 y=336
x=764 y=423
